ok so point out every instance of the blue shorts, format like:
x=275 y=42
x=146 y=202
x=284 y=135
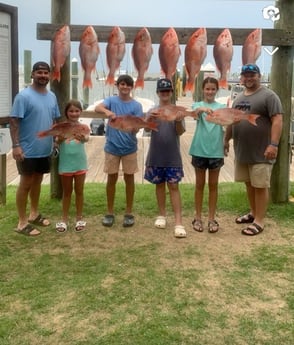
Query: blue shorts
x=207 y=163
x=159 y=175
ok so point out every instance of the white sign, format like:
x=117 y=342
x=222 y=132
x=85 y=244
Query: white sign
x=5 y=141
x=5 y=64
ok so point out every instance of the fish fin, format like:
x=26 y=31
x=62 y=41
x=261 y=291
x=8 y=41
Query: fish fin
x=42 y=134
x=87 y=83
x=139 y=83
x=110 y=80
x=223 y=84
x=56 y=75
x=252 y=119
x=153 y=126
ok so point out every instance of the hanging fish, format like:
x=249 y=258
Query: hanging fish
x=60 y=50
x=169 y=53
x=251 y=49
x=89 y=51
x=223 y=54
x=195 y=54
x=141 y=52
x=115 y=52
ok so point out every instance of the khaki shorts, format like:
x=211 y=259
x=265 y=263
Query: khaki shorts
x=259 y=175
x=112 y=163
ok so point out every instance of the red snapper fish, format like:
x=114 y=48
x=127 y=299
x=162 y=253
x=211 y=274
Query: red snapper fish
x=89 y=51
x=169 y=53
x=229 y=116
x=67 y=130
x=141 y=52
x=195 y=54
x=170 y=112
x=115 y=52
x=130 y=123
x=251 y=49
x=60 y=49
x=223 y=54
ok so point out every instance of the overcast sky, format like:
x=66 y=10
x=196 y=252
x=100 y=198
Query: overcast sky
x=157 y=13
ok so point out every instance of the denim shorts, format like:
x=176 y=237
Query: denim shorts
x=157 y=175
x=207 y=163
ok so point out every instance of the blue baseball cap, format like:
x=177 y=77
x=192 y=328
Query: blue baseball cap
x=250 y=68
x=164 y=84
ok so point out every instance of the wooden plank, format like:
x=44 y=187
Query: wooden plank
x=270 y=37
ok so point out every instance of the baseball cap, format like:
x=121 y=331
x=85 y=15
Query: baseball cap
x=41 y=65
x=250 y=67
x=164 y=85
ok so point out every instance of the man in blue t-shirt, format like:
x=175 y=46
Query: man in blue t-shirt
x=120 y=147
x=34 y=109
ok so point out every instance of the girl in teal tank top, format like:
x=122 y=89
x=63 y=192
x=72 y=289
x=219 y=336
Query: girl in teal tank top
x=207 y=154
x=72 y=168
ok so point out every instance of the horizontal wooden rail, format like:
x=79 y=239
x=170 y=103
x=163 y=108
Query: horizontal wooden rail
x=270 y=37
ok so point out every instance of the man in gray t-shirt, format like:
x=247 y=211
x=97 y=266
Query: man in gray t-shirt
x=256 y=147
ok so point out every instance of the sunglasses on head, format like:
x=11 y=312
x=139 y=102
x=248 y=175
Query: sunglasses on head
x=250 y=68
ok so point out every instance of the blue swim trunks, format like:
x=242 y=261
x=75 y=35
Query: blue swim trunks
x=157 y=175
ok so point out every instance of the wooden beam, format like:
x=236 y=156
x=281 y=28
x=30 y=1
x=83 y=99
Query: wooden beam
x=270 y=37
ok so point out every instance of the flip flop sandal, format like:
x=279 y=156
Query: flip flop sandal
x=245 y=219
x=180 y=231
x=80 y=226
x=40 y=220
x=213 y=226
x=129 y=220
x=254 y=229
x=28 y=230
x=108 y=220
x=197 y=225
x=61 y=227
x=160 y=222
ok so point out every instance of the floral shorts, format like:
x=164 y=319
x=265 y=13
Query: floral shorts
x=157 y=175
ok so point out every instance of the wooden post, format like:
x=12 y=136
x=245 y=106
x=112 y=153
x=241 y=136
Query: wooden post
x=197 y=96
x=3 y=179
x=27 y=67
x=74 y=78
x=281 y=83
x=86 y=93
x=60 y=14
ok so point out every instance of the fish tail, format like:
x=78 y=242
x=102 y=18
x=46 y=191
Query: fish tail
x=223 y=84
x=87 y=83
x=139 y=83
x=153 y=126
x=252 y=119
x=42 y=134
x=110 y=80
x=189 y=87
x=56 y=75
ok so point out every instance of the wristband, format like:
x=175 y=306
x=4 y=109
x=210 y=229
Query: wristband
x=275 y=145
x=15 y=145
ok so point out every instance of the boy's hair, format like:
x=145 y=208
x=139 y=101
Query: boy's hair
x=126 y=79
x=73 y=102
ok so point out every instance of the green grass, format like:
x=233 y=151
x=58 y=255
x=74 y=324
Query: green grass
x=143 y=286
